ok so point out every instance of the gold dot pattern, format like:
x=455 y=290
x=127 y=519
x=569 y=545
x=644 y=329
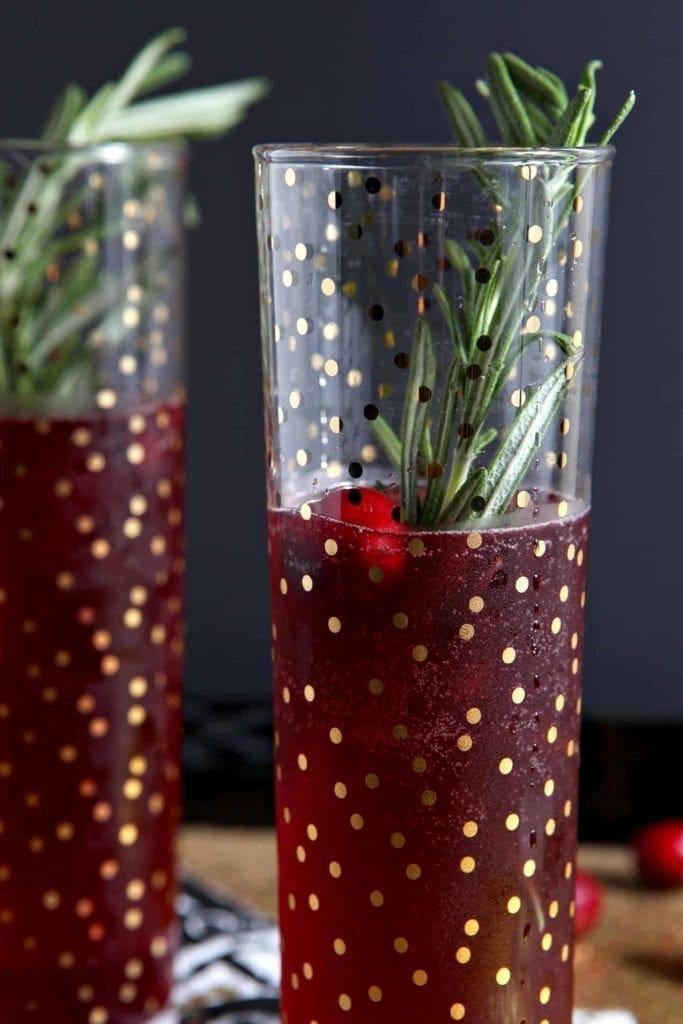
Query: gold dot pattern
x=330 y=233
x=381 y=670
x=92 y=689
x=400 y=797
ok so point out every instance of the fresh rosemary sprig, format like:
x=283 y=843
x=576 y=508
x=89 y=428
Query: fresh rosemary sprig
x=531 y=109
x=53 y=290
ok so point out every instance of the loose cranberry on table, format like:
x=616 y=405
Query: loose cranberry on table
x=588 y=902
x=660 y=853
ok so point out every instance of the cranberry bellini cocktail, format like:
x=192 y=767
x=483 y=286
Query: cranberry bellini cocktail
x=92 y=541
x=430 y=323
x=91 y=582
x=90 y=719
x=427 y=759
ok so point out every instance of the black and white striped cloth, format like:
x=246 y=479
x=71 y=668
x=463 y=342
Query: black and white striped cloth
x=228 y=969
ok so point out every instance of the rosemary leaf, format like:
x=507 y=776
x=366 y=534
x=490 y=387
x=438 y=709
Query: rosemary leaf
x=461 y=505
x=497 y=370
x=458 y=258
x=421 y=376
x=563 y=341
x=137 y=76
x=449 y=404
x=6 y=370
x=486 y=305
x=79 y=376
x=588 y=80
x=78 y=319
x=66 y=244
x=538 y=86
x=465 y=124
x=555 y=81
x=64 y=113
x=565 y=132
x=388 y=439
x=509 y=101
x=43 y=319
x=74 y=286
x=500 y=117
x=40 y=242
x=170 y=68
x=514 y=455
x=450 y=315
x=620 y=117
x=427 y=449
x=82 y=130
x=484 y=440
x=195 y=114
x=541 y=124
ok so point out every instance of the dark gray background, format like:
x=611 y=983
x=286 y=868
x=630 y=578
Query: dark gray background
x=363 y=70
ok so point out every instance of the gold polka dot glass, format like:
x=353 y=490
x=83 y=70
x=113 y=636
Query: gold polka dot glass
x=430 y=329
x=91 y=567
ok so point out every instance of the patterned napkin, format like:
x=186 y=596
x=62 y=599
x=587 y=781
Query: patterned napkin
x=228 y=969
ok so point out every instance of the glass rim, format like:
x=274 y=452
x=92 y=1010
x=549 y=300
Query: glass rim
x=372 y=154
x=109 y=151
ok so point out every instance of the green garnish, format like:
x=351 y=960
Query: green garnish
x=532 y=110
x=53 y=290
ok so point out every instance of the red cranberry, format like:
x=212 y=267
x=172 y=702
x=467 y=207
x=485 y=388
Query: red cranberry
x=363 y=506
x=660 y=853
x=588 y=902
x=382 y=544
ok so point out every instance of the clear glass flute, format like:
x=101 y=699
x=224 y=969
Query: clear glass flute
x=430 y=325
x=91 y=575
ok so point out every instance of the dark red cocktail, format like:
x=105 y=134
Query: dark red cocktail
x=427 y=694
x=91 y=572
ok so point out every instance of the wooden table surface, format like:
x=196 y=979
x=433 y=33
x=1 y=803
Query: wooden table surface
x=633 y=959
